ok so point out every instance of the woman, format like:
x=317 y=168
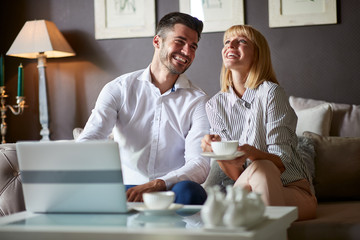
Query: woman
x=252 y=108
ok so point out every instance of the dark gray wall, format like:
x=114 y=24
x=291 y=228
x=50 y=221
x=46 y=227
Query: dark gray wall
x=319 y=62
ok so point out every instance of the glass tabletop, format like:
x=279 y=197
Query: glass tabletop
x=187 y=217
x=182 y=223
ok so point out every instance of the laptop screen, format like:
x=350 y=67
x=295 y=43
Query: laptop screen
x=67 y=176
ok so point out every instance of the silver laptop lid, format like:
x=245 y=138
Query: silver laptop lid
x=66 y=176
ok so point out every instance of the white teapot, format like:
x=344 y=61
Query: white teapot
x=255 y=209
x=213 y=209
x=235 y=214
x=239 y=208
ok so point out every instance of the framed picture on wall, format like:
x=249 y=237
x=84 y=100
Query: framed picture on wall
x=287 y=13
x=124 y=18
x=217 y=15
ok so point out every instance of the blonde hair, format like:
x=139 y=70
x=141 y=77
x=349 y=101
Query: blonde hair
x=261 y=69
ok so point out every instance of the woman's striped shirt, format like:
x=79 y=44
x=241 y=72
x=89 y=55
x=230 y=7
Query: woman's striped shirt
x=262 y=118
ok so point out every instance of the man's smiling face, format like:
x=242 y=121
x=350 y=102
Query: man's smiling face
x=177 y=48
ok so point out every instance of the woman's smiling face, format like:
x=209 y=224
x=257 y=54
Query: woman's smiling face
x=238 y=53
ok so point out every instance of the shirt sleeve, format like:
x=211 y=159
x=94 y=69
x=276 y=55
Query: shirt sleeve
x=103 y=117
x=281 y=124
x=196 y=167
x=217 y=125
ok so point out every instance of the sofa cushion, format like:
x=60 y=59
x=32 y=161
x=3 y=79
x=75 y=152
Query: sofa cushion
x=346 y=120
x=315 y=119
x=337 y=167
x=345 y=117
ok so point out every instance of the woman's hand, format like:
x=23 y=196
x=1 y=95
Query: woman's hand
x=233 y=168
x=206 y=142
x=252 y=153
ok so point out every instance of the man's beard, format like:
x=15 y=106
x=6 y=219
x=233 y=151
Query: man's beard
x=167 y=62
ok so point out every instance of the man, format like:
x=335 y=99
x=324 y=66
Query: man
x=158 y=117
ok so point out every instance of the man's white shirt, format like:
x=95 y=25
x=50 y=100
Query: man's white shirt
x=159 y=135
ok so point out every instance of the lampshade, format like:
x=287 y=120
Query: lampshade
x=40 y=36
x=41 y=39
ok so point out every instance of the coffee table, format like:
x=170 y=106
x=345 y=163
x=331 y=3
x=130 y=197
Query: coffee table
x=184 y=224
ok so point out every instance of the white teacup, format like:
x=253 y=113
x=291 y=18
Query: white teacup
x=158 y=200
x=225 y=147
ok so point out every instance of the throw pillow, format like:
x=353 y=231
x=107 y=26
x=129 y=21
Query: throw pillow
x=217 y=177
x=316 y=119
x=337 y=167
x=306 y=150
x=345 y=117
x=298 y=103
x=345 y=120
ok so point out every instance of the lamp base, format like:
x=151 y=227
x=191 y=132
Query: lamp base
x=45 y=132
x=43 y=105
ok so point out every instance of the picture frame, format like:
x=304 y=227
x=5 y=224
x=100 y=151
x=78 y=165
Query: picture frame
x=124 y=18
x=288 y=13
x=217 y=15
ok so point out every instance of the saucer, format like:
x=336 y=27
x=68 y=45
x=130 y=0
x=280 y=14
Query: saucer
x=245 y=227
x=171 y=209
x=222 y=157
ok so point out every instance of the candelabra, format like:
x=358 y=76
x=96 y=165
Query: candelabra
x=16 y=110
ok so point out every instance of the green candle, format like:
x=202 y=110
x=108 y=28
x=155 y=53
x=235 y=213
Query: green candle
x=20 y=90
x=2 y=76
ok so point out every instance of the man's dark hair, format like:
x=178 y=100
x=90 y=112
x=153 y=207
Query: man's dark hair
x=169 y=20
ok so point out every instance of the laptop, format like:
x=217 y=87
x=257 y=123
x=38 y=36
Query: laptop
x=72 y=177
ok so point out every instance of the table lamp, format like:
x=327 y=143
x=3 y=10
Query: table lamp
x=41 y=39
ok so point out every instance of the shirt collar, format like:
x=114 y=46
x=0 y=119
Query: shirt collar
x=249 y=95
x=181 y=82
x=246 y=99
x=145 y=76
x=232 y=96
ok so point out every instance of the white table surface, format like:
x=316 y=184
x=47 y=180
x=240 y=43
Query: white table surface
x=135 y=225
